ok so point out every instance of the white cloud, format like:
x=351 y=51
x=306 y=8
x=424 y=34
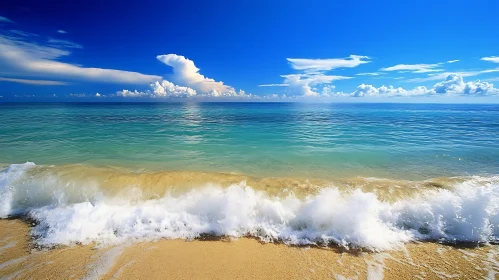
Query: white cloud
x=166 y=89
x=61 y=31
x=415 y=68
x=79 y=95
x=64 y=44
x=441 y=76
x=302 y=83
x=186 y=73
x=314 y=72
x=496 y=79
x=452 y=85
x=31 y=58
x=369 y=90
x=84 y=95
x=186 y=82
x=369 y=74
x=418 y=68
x=33 y=82
x=135 y=93
x=22 y=33
x=4 y=19
x=494 y=59
x=274 y=85
x=327 y=64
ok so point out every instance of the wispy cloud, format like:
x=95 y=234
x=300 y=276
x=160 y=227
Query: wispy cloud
x=4 y=19
x=415 y=68
x=496 y=79
x=28 y=57
x=314 y=72
x=494 y=59
x=64 y=44
x=22 y=33
x=441 y=76
x=418 y=68
x=274 y=85
x=61 y=31
x=327 y=64
x=369 y=74
x=33 y=82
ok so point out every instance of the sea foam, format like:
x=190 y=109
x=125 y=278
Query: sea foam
x=66 y=214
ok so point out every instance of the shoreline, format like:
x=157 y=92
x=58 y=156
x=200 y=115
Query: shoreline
x=242 y=258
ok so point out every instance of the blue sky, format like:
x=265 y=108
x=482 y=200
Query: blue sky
x=400 y=51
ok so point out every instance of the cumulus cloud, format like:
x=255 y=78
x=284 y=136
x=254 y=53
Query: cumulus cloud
x=444 y=75
x=33 y=82
x=135 y=93
x=494 y=59
x=452 y=85
x=303 y=83
x=167 y=89
x=186 y=73
x=186 y=82
x=17 y=55
x=314 y=72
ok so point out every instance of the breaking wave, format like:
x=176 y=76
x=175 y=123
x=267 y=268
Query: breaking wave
x=67 y=213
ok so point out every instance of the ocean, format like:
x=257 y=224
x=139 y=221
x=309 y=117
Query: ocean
x=371 y=176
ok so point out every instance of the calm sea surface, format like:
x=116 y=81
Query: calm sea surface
x=407 y=141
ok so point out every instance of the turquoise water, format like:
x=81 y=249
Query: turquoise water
x=75 y=204
x=408 y=141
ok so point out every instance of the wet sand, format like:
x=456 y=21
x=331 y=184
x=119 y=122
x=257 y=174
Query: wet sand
x=242 y=258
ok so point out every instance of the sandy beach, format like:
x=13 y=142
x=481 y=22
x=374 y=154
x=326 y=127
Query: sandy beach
x=242 y=258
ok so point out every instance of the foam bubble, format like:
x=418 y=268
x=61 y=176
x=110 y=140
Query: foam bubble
x=67 y=215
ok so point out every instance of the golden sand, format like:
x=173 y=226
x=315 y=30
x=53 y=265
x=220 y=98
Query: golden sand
x=243 y=258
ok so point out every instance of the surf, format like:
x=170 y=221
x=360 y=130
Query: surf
x=69 y=211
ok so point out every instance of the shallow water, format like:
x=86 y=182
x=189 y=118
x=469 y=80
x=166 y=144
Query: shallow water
x=404 y=141
x=373 y=176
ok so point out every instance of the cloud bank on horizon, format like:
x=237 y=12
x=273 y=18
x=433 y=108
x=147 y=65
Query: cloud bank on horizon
x=31 y=59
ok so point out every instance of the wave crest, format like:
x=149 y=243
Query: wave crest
x=468 y=212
